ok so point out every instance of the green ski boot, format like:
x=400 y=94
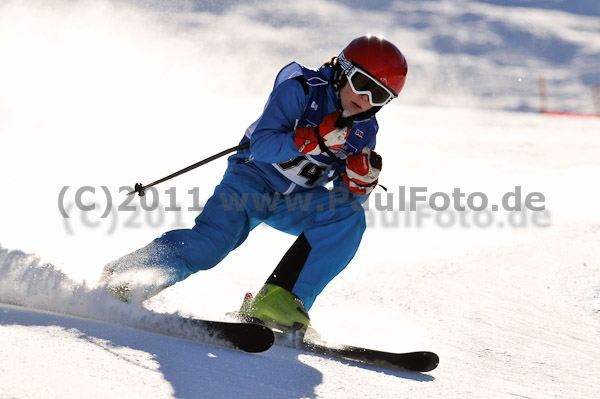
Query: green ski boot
x=277 y=308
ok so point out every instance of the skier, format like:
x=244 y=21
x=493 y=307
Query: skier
x=318 y=125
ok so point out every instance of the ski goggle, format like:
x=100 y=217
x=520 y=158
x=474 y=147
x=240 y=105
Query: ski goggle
x=362 y=82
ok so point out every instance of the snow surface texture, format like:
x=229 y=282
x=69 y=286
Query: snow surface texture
x=111 y=93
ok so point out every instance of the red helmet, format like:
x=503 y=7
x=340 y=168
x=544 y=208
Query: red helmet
x=379 y=58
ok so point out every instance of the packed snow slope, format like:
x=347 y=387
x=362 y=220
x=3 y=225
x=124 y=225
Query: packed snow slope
x=97 y=95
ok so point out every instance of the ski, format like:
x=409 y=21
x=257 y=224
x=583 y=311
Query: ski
x=252 y=338
x=422 y=361
x=247 y=337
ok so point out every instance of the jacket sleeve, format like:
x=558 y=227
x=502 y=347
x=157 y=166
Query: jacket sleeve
x=273 y=138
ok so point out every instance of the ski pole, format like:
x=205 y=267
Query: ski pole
x=139 y=188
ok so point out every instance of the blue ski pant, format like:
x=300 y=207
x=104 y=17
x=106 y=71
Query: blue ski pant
x=332 y=221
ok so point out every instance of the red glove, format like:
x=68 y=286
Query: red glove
x=333 y=131
x=362 y=171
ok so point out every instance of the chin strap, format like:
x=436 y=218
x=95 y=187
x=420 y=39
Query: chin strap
x=366 y=115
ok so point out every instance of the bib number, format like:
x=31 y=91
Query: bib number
x=303 y=168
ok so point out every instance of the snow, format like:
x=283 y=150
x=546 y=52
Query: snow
x=107 y=94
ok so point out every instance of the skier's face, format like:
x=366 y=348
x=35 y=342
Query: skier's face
x=355 y=103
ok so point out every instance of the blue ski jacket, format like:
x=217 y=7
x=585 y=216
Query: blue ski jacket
x=301 y=97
